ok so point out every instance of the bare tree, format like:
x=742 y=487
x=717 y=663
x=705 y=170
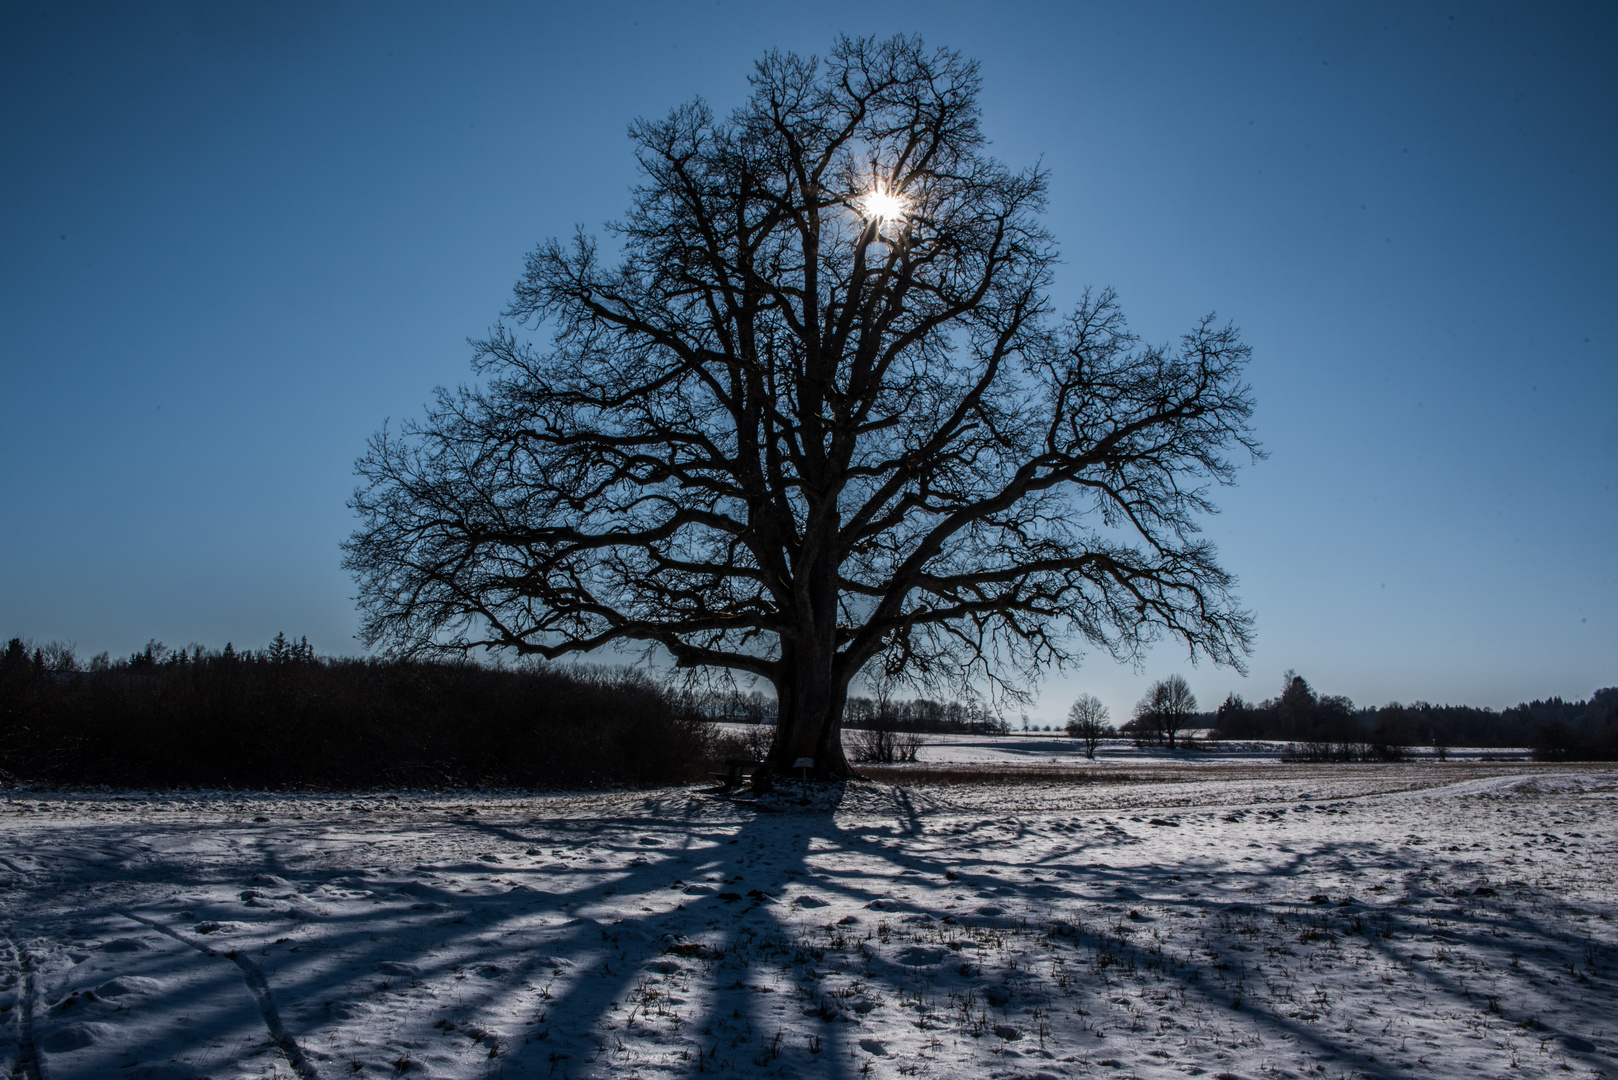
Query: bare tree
x=818 y=417
x=1087 y=721
x=1166 y=708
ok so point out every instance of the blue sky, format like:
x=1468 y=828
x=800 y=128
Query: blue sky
x=234 y=238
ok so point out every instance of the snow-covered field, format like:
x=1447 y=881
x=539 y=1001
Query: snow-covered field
x=1229 y=921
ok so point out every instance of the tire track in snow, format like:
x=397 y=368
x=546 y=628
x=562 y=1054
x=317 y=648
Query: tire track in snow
x=261 y=996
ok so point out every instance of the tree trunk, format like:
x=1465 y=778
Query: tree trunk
x=810 y=686
x=810 y=699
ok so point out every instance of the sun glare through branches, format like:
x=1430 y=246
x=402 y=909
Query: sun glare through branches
x=879 y=204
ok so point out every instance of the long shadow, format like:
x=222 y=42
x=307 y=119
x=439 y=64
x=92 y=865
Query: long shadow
x=583 y=1015
x=732 y=1014
x=711 y=970
x=1394 y=925
x=1376 y=928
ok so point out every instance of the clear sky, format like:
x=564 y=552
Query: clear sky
x=235 y=238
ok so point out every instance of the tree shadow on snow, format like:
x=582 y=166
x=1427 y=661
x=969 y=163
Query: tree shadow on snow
x=685 y=934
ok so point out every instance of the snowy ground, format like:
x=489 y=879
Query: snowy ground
x=1237 y=921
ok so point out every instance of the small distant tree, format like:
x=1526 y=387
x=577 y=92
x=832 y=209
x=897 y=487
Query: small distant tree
x=1295 y=708
x=1168 y=706
x=1087 y=721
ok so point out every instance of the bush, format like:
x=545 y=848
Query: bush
x=284 y=718
x=884 y=747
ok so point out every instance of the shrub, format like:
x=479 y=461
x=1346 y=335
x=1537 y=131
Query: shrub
x=884 y=747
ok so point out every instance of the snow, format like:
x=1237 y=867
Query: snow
x=1244 y=919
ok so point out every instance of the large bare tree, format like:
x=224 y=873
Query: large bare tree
x=817 y=417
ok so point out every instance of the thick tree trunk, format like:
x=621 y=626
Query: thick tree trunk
x=810 y=699
x=810 y=686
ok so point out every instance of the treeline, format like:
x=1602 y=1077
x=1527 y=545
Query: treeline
x=282 y=717
x=921 y=715
x=1323 y=726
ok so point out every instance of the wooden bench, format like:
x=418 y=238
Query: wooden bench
x=740 y=770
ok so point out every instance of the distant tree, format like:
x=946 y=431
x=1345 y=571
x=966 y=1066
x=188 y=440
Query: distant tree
x=16 y=656
x=1603 y=706
x=17 y=676
x=1295 y=707
x=59 y=657
x=1571 y=731
x=1087 y=721
x=818 y=421
x=151 y=656
x=1391 y=733
x=283 y=650
x=1167 y=707
x=1236 y=719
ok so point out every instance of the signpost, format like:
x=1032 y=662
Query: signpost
x=803 y=765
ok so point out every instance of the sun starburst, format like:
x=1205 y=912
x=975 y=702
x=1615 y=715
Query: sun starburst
x=879 y=204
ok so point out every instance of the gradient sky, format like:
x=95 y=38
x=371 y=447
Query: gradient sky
x=234 y=238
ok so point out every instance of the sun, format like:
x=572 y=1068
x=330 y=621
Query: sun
x=882 y=205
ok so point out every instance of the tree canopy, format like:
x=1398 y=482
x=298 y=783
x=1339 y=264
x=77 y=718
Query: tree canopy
x=816 y=417
x=1167 y=706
